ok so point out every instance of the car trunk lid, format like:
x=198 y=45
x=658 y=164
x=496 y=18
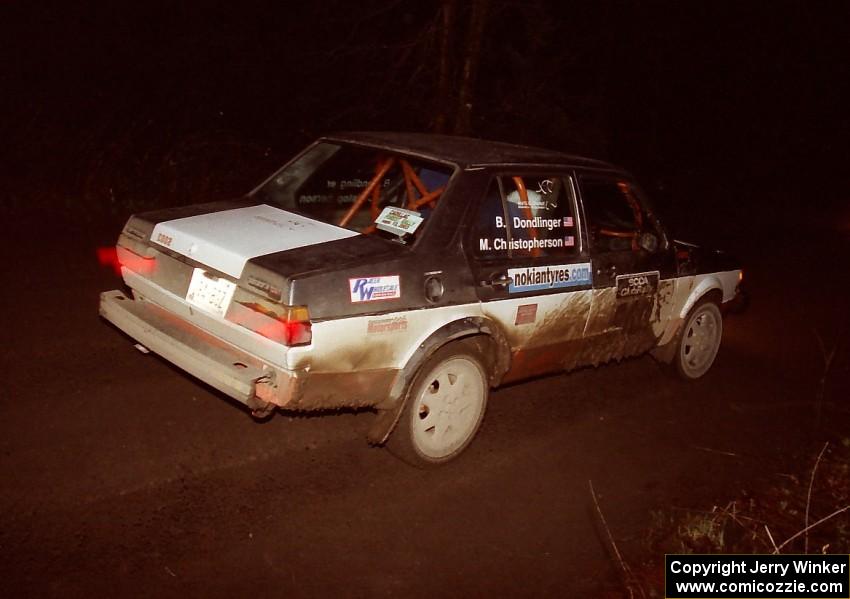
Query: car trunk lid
x=226 y=240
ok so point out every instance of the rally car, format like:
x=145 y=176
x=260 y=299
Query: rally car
x=409 y=274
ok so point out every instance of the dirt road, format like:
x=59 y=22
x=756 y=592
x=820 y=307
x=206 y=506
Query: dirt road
x=123 y=477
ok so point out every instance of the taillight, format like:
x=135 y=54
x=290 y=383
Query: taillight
x=288 y=325
x=297 y=329
x=116 y=257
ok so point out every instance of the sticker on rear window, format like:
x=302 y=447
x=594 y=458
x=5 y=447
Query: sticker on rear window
x=398 y=221
x=371 y=289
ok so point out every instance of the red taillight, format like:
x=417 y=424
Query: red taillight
x=288 y=325
x=116 y=257
x=107 y=256
x=296 y=332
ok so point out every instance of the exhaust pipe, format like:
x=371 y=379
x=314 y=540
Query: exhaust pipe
x=261 y=410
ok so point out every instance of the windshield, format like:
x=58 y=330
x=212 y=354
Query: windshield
x=353 y=187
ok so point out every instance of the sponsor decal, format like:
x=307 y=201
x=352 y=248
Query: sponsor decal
x=398 y=221
x=536 y=200
x=267 y=288
x=546 y=186
x=163 y=239
x=526 y=314
x=387 y=325
x=371 y=289
x=638 y=284
x=556 y=276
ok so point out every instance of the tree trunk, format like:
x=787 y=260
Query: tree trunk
x=472 y=54
x=444 y=77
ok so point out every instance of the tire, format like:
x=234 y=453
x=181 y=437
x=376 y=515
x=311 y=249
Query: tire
x=444 y=406
x=698 y=340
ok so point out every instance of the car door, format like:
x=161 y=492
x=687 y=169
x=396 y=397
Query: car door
x=531 y=270
x=629 y=260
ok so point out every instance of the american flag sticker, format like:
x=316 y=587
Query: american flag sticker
x=568 y=221
x=569 y=241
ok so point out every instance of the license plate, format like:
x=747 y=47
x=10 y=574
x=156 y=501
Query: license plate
x=210 y=293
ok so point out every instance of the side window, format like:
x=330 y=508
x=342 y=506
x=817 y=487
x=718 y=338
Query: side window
x=614 y=214
x=540 y=216
x=527 y=216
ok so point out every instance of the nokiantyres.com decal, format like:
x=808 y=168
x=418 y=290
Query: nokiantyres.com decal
x=372 y=289
x=541 y=278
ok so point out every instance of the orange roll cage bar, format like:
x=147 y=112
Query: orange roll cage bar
x=636 y=212
x=412 y=183
x=526 y=210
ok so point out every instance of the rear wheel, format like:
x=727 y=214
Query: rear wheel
x=444 y=408
x=699 y=339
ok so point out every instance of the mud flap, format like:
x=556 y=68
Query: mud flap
x=738 y=304
x=384 y=424
x=665 y=353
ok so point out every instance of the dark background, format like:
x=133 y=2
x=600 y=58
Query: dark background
x=740 y=108
x=122 y=476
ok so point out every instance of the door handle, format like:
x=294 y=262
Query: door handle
x=500 y=279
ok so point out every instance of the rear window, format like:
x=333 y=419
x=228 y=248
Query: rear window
x=350 y=186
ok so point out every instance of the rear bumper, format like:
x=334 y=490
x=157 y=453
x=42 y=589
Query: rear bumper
x=219 y=364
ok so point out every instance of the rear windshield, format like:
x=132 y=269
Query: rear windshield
x=351 y=186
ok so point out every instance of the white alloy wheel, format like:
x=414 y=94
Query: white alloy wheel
x=448 y=407
x=699 y=340
x=445 y=407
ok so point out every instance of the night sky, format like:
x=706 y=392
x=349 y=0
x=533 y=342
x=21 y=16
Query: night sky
x=147 y=104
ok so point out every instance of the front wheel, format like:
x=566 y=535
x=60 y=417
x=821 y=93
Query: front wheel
x=444 y=407
x=699 y=340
